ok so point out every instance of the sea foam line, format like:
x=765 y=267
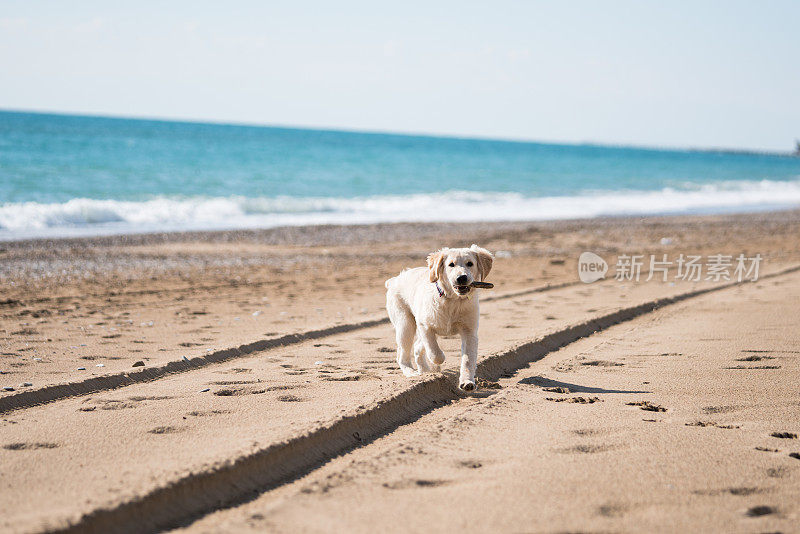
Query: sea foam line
x=83 y=216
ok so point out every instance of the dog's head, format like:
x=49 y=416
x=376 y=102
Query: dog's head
x=457 y=268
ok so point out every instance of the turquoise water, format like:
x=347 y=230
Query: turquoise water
x=66 y=175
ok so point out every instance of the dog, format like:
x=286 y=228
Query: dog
x=438 y=300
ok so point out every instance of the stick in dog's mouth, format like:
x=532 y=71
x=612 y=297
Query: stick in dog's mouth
x=482 y=285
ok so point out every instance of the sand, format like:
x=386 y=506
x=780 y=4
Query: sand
x=689 y=433
x=267 y=354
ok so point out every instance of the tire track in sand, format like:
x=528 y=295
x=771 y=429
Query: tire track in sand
x=186 y=499
x=55 y=392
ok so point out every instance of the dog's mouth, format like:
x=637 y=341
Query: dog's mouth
x=462 y=290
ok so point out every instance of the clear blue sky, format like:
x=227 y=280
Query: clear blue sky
x=705 y=74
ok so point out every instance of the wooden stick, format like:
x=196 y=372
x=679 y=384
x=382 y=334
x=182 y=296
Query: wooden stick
x=482 y=285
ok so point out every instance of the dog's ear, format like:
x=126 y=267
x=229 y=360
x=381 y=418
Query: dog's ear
x=435 y=263
x=485 y=260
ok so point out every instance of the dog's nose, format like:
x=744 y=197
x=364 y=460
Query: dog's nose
x=462 y=280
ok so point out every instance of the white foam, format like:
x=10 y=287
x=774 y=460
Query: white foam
x=82 y=216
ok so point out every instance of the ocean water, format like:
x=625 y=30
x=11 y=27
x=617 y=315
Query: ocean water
x=73 y=175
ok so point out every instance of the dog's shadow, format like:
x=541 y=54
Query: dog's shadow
x=478 y=393
x=573 y=388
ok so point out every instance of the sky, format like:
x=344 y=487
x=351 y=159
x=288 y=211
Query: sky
x=673 y=74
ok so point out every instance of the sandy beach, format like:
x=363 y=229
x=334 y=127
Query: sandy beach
x=245 y=380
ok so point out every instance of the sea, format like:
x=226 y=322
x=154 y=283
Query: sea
x=64 y=175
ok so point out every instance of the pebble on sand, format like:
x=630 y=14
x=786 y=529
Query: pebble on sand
x=204 y=390
x=140 y=363
x=100 y=365
x=81 y=368
x=25 y=385
x=8 y=388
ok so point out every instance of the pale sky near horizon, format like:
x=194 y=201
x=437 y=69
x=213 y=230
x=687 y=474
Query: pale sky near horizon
x=680 y=74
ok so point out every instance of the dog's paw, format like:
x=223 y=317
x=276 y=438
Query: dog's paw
x=467 y=385
x=427 y=366
x=423 y=365
x=410 y=371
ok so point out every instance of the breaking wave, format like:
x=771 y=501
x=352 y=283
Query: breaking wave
x=83 y=216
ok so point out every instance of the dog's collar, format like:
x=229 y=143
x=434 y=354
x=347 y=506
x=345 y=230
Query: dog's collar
x=441 y=293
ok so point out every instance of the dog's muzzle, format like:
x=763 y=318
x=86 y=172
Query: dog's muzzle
x=462 y=285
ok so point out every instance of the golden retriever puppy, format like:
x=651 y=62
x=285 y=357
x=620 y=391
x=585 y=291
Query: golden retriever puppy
x=424 y=303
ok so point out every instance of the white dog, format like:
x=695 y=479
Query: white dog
x=438 y=301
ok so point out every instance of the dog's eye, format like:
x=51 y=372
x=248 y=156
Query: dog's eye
x=451 y=264
x=469 y=264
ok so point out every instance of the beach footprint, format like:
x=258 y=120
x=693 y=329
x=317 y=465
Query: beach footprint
x=415 y=483
x=166 y=430
x=28 y=446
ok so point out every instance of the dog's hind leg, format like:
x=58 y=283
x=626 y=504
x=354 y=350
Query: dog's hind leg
x=405 y=342
x=405 y=329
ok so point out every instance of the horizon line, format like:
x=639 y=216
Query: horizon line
x=343 y=129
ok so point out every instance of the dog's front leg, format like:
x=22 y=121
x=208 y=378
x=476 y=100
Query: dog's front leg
x=469 y=359
x=428 y=338
x=421 y=360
